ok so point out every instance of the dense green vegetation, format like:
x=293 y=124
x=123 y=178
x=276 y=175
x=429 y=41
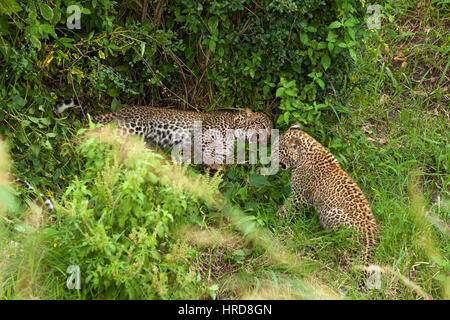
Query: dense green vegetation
x=140 y=227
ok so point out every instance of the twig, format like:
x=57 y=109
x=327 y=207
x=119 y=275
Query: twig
x=144 y=10
x=154 y=74
x=331 y=83
x=76 y=96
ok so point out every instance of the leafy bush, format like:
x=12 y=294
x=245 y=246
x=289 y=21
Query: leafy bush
x=239 y=50
x=283 y=57
x=202 y=54
x=138 y=227
x=120 y=226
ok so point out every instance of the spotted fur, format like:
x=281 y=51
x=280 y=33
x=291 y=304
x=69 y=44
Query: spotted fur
x=165 y=127
x=319 y=180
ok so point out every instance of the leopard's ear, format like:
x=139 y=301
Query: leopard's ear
x=295 y=127
x=292 y=145
x=248 y=111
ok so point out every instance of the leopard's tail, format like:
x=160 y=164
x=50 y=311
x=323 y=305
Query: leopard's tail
x=47 y=202
x=63 y=105
x=105 y=118
x=370 y=241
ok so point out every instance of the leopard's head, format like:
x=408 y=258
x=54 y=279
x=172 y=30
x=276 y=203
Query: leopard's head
x=258 y=122
x=292 y=147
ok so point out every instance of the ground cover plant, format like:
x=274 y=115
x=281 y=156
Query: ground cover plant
x=140 y=227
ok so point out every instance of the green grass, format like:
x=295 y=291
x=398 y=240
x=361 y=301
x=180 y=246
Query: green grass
x=394 y=143
x=398 y=130
x=399 y=124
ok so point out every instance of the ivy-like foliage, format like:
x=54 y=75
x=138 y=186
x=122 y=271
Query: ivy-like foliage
x=285 y=57
x=240 y=49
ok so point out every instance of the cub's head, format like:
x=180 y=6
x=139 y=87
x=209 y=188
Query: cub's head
x=293 y=147
x=250 y=120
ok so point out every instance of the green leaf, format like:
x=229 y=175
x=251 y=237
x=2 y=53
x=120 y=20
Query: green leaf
x=116 y=105
x=325 y=61
x=4 y=26
x=214 y=287
x=212 y=45
x=290 y=84
x=350 y=22
x=35 y=149
x=279 y=92
x=322 y=45
x=221 y=52
x=113 y=92
x=286 y=117
x=352 y=54
x=66 y=42
x=48 y=145
x=35 y=42
x=213 y=22
x=46 y=11
x=335 y=25
x=297 y=67
x=46 y=29
x=18 y=102
x=330 y=46
x=312 y=56
x=212 y=291
x=291 y=92
x=351 y=32
x=9 y=7
x=320 y=82
x=331 y=37
x=304 y=38
x=45 y=121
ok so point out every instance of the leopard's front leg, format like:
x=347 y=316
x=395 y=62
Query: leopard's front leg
x=299 y=192
x=297 y=199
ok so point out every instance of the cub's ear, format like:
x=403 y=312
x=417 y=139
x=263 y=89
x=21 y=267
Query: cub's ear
x=292 y=145
x=293 y=149
x=295 y=127
x=295 y=145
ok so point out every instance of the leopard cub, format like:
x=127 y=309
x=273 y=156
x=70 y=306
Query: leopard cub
x=319 y=180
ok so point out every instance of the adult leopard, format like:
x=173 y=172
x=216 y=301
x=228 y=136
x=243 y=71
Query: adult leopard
x=166 y=127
